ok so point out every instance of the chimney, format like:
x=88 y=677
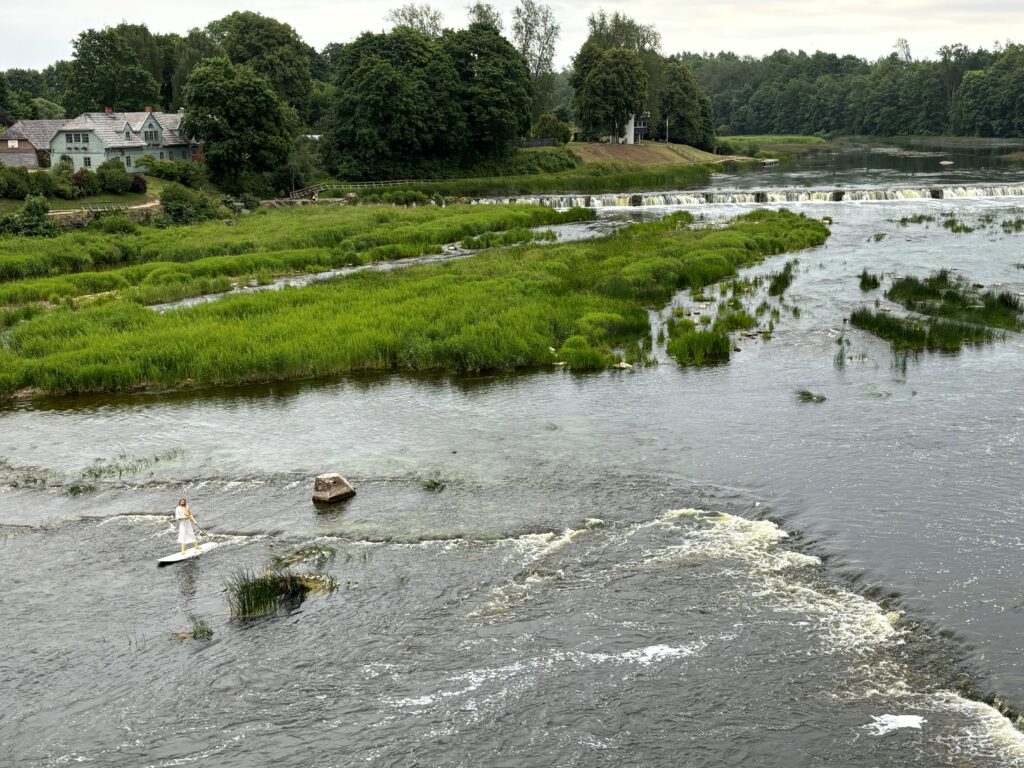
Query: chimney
x=149 y=109
x=108 y=110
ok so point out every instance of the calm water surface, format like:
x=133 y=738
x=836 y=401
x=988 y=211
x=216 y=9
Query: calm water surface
x=658 y=567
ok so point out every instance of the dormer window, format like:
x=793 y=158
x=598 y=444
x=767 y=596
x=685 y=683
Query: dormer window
x=127 y=134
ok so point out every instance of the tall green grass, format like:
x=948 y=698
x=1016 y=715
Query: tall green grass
x=780 y=281
x=594 y=178
x=944 y=295
x=908 y=333
x=347 y=236
x=373 y=232
x=501 y=310
x=869 y=281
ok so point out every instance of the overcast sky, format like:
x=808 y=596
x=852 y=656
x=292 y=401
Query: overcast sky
x=33 y=35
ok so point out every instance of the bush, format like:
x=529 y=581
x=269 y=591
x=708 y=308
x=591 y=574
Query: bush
x=31 y=221
x=114 y=178
x=87 y=183
x=185 y=206
x=550 y=127
x=183 y=172
x=138 y=184
x=14 y=183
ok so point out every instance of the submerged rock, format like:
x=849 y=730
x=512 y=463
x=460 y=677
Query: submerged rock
x=332 y=487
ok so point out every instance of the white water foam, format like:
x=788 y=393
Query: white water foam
x=883 y=724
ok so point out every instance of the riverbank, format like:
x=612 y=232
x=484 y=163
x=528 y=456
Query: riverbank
x=501 y=310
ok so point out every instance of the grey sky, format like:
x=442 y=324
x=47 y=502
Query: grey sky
x=35 y=34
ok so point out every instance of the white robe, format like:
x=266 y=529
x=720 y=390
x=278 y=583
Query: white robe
x=186 y=535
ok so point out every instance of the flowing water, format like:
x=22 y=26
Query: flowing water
x=656 y=567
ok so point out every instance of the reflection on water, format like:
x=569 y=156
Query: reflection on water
x=549 y=606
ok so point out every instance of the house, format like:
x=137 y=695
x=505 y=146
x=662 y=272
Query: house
x=92 y=138
x=26 y=144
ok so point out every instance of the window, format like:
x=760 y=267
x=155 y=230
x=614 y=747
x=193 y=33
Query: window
x=128 y=162
x=127 y=134
x=85 y=138
x=69 y=138
x=87 y=161
x=161 y=155
x=12 y=143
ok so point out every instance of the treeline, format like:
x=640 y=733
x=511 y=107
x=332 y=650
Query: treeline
x=962 y=92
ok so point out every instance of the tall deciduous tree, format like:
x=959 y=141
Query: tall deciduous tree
x=493 y=89
x=242 y=123
x=421 y=17
x=485 y=13
x=681 y=106
x=189 y=52
x=614 y=88
x=270 y=48
x=105 y=72
x=396 y=109
x=535 y=33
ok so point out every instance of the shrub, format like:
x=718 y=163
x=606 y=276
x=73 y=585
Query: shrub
x=550 y=127
x=138 y=184
x=14 y=183
x=183 y=172
x=185 y=206
x=87 y=183
x=113 y=177
x=31 y=221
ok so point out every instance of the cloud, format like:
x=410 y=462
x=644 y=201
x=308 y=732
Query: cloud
x=38 y=34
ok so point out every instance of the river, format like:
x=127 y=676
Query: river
x=656 y=567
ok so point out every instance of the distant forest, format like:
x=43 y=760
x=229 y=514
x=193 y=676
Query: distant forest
x=961 y=92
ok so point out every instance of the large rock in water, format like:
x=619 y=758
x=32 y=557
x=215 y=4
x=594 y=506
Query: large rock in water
x=332 y=487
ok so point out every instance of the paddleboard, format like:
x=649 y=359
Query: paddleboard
x=189 y=553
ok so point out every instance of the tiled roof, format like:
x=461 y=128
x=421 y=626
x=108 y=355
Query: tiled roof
x=38 y=132
x=170 y=122
x=109 y=127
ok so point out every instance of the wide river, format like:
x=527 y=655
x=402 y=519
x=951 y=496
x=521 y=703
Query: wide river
x=656 y=567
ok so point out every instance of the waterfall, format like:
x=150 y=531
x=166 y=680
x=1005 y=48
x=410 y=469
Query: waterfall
x=697 y=198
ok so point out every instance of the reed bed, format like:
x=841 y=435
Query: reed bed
x=593 y=178
x=502 y=310
x=944 y=295
x=908 y=333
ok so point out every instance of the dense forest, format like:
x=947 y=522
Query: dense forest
x=962 y=92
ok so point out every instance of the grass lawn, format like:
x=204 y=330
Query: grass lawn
x=153 y=188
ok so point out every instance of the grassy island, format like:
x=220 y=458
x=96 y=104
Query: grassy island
x=578 y=304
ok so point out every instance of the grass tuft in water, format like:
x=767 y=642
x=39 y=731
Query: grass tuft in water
x=868 y=281
x=910 y=333
x=944 y=295
x=198 y=628
x=434 y=485
x=919 y=218
x=690 y=346
x=807 y=396
x=780 y=281
x=251 y=595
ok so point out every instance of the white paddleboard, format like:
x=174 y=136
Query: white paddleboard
x=189 y=553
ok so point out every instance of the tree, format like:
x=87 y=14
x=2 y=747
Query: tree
x=105 y=72
x=189 y=51
x=271 y=49
x=535 y=33
x=486 y=14
x=396 y=109
x=614 y=88
x=493 y=90
x=241 y=121
x=423 y=18
x=620 y=31
x=680 y=105
x=5 y=118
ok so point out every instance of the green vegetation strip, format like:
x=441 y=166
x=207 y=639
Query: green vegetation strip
x=501 y=310
x=596 y=178
x=171 y=264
